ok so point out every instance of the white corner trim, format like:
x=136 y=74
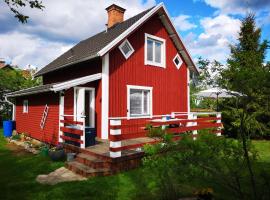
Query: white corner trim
x=188 y=91
x=105 y=97
x=150 y=101
x=130 y=53
x=61 y=115
x=180 y=61
x=163 y=51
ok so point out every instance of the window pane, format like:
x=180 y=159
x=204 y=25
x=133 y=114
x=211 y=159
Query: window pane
x=176 y=60
x=135 y=102
x=126 y=48
x=146 y=102
x=158 y=52
x=150 y=46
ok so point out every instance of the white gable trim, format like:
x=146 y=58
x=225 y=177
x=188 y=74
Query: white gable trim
x=186 y=55
x=75 y=82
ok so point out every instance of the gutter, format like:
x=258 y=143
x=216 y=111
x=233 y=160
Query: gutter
x=13 y=107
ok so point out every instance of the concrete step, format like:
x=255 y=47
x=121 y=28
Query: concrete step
x=86 y=171
x=93 y=161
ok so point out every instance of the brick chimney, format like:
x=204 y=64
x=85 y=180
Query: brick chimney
x=115 y=15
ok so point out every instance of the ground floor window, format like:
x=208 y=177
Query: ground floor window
x=139 y=101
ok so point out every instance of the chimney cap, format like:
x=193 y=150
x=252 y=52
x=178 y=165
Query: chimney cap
x=114 y=6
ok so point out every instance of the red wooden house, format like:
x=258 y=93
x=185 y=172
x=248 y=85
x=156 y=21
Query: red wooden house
x=134 y=72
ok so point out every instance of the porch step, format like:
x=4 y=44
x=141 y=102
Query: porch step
x=92 y=161
x=86 y=171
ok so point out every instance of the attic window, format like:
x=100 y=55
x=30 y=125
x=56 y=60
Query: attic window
x=126 y=49
x=178 y=61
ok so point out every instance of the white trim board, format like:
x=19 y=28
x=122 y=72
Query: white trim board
x=105 y=97
x=74 y=82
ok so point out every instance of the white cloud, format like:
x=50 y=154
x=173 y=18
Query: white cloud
x=181 y=22
x=239 y=6
x=25 y=49
x=213 y=42
x=50 y=32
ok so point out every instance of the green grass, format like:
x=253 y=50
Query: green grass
x=18 y=174
x=263 y=148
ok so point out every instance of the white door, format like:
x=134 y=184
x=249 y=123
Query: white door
x=79 y=104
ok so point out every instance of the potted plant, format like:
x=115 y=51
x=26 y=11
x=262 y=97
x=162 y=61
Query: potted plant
x=44 y=149
x=57 y=153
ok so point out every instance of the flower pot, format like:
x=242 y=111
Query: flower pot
x=57 y=155
x=44 y=151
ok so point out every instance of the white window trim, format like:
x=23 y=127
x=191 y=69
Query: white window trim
x=92 y=117
x=130 y=53
x=163 y=51
x=129 y=87
x=25 y=107
x=180 y=61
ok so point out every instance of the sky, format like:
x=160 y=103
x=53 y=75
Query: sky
x=207 y=27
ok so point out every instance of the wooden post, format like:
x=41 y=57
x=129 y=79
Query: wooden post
x=61 y=116
x=114 y=144
x=195 y=123
x=218 y=115
x=83 y=135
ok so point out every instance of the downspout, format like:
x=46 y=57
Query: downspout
x=13 y=107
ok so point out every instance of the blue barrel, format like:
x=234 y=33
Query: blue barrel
x=8 y=128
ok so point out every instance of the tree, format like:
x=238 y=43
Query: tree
x=12 y=80
x=15 y=5
x=248 y=74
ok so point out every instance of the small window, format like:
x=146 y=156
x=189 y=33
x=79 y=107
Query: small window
x=25 y=106
x=154 y=51
x=178 y=61
x=139 y=101
x=126 y=49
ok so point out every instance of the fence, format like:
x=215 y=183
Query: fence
x=127 y=134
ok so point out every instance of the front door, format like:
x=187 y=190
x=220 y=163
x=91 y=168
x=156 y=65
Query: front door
x=84 y=105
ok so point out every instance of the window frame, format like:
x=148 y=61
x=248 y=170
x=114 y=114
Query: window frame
x=180 y=61
x=25 y=106
x=120 y=48
x=150 y=103
x=163 y=51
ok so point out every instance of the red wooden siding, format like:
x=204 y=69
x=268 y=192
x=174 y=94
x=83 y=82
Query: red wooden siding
x=75 y=71
x=29 y=123
x=69 y=103
x=169 y=85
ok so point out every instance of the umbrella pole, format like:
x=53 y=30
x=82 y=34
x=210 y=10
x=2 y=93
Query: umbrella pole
x=217 y=102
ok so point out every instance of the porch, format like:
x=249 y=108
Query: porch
x=124 y=148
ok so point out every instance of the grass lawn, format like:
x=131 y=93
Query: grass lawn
x=18 y=173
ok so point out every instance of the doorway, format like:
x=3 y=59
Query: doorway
x=84 y=105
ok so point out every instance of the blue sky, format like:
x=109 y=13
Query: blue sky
x=206 y=26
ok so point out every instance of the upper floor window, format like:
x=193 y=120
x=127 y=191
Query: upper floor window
x=155 y=51
x=178 y=61
x=126 y=49
x=25 y=106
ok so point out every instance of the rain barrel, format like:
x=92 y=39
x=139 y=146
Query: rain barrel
x=8 y=128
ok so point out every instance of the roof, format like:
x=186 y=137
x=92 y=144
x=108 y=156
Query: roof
x=101 y=43
x=55 y=87
x=89 y=48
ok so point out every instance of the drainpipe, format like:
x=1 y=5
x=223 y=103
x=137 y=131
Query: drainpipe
x=13 y=107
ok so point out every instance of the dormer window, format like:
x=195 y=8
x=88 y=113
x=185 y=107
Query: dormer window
x=126 y=49
x=178 y=61
x=154 y=51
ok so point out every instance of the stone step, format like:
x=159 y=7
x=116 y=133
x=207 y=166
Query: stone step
x=92 y=161
x=86 y=171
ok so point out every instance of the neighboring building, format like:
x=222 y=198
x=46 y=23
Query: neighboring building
x=3 y=65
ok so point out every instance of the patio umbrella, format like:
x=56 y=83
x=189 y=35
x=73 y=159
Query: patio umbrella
x=218 y=93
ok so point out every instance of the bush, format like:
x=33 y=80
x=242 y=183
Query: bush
x=209 y=162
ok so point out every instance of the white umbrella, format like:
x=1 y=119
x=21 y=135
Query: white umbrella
x=218 y=93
